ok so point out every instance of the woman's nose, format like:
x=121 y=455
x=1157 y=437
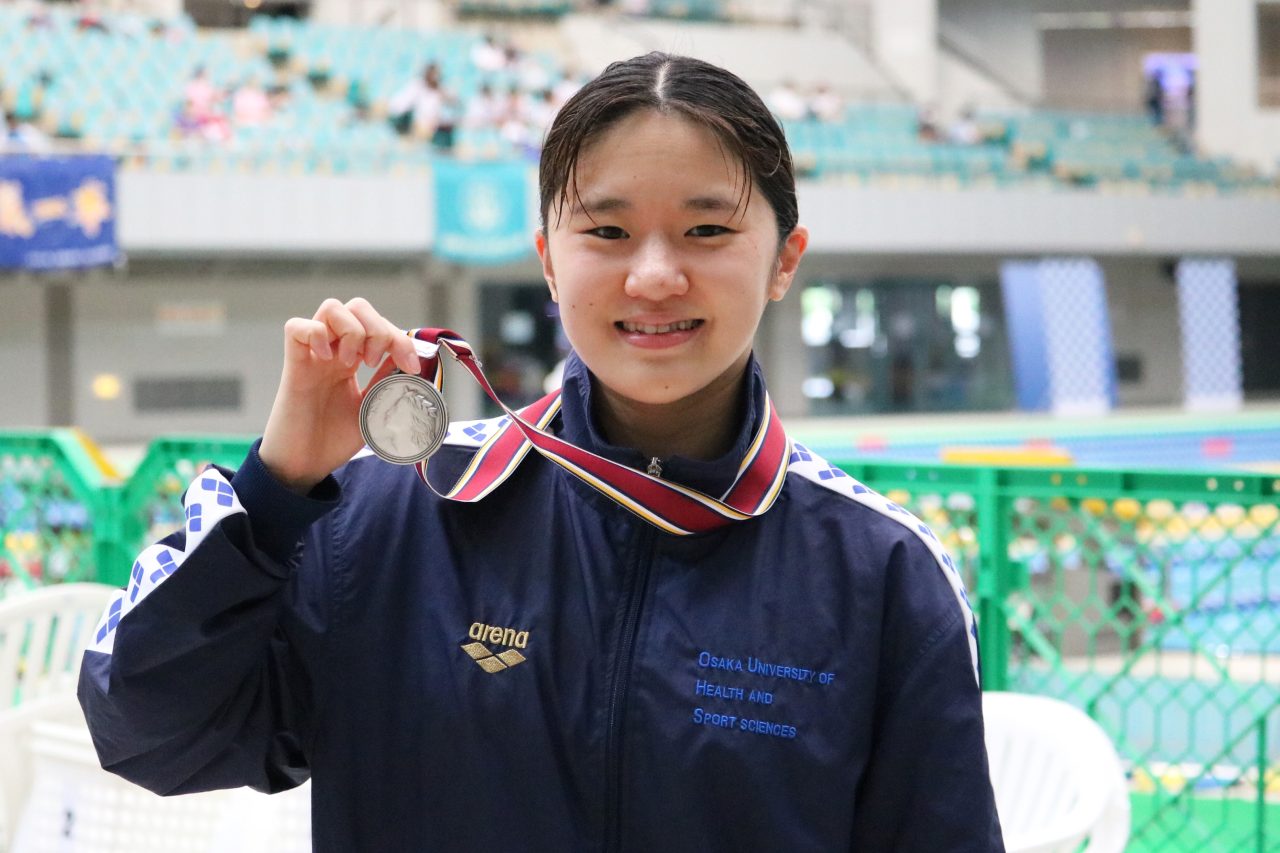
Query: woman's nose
x=656 y=273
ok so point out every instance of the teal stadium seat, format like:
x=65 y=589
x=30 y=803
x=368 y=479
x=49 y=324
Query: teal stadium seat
x=122 y=89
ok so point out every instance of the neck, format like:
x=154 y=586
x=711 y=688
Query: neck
x=703 y=425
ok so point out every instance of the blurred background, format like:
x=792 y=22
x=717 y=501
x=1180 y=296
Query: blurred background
x=1039 y=307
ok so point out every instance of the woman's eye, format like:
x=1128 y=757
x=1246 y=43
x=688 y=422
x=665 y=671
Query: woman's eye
x=707 y=231
x=608 y=232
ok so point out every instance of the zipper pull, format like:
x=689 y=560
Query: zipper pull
x=655 y=467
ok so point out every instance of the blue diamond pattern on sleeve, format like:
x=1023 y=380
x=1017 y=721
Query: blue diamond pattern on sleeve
x=221 y=488
x=167 y=567
x=831 y=473
x=193 y=518
x=136 y=576
x=475 y=431
x=113 y=619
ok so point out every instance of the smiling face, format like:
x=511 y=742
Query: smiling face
x=663 y=261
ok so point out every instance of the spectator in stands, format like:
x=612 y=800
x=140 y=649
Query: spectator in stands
x=20 y=134
x=566 y=87
x=540 y=110
x=201 y=95
x=1155 y=96
x=927 y=127
x=91 y=22
x=487 y=56
x=514 y=127
x=1191 y=101
x=787 y=103
x=40 y=19
x=200 y=116
x=826 y=105
x=250 y=106
x=965 y=130
x=485 y=110
x=424 y=109
x=531 y=74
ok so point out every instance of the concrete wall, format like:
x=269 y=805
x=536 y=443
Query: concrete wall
x=1102 y=69
x=904 y=39
x=24 y=367
x=1230 y=121
x=1143 y=303
x=391 y=215
x=1003 y=32
x=202 y=321
x=412 y=14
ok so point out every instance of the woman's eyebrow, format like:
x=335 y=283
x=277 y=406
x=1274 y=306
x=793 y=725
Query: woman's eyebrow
x=601 y=205
x=610 y=204
x=713 y=203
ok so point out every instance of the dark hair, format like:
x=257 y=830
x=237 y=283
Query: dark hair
x=697 y=90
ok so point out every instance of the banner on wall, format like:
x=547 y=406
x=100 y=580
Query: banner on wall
x=1209 y=319
x=482 y=212
x=1060 y=335
x=57 y=213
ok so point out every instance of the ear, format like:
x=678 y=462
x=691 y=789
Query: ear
x=788 y=262
x=544 y=255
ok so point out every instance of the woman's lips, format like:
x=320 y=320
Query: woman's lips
x=658 y=335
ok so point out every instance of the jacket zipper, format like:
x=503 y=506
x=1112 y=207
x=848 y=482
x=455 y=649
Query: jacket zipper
x=621 y=684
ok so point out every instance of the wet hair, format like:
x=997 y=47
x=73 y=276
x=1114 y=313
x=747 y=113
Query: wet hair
x=672 y=85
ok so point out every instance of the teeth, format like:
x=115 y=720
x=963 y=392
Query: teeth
x=681 y=326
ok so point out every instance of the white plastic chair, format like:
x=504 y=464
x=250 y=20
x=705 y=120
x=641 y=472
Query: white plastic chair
x=77 y=807
x=43 y=634
x=1058 y=780
x=55 y=796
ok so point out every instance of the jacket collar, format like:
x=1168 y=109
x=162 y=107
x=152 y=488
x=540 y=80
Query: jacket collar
x=713 y=477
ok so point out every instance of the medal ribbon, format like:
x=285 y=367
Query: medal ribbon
x=669 y=506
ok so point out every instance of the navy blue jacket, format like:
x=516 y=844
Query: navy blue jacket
x=544 y=671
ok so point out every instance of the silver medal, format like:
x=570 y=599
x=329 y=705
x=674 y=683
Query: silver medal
x=403 y=419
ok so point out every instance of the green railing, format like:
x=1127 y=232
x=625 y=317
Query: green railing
x=150 y=504
x=56 y=514
x=1150 y=599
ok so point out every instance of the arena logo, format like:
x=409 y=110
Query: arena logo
x=495 y=635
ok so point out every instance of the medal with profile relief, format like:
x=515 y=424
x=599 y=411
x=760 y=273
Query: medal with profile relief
x=403 y=419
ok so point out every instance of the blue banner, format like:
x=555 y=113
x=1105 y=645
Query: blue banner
x=1024 y=320
x=57 y=213
x=482 y=212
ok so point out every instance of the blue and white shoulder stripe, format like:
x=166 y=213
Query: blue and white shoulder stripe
x=809 y=465
x=209 y=500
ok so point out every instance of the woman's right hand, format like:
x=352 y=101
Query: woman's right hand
x=314 y=424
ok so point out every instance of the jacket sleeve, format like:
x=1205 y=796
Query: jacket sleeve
x=927 y=788
x=198 y=674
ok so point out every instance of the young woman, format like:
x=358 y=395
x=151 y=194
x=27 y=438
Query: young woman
x=573 y=662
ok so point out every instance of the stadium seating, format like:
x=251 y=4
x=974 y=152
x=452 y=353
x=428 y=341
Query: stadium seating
x=120 y=88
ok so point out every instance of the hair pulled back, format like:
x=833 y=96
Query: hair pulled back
x=671 y=84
